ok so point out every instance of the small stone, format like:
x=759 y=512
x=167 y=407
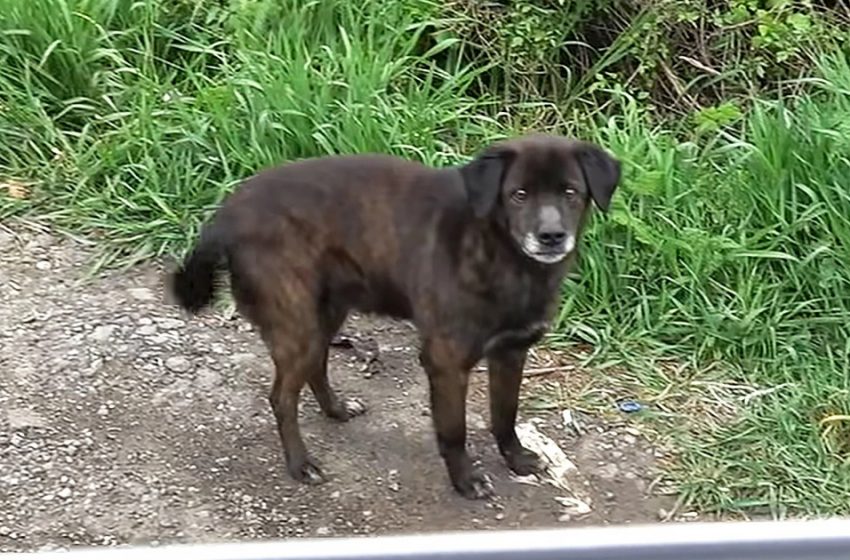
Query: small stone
x=178 y=364
x=392 y=481
x=43 y=265
x=147 y=330
x=102 y=333
x=141 y=294
x=662 y=514
x=608 y=471
x=65 y=493
x=167 y=323
x=477 y=422
x=24 y=418
x=242 y=359
x=500 y=516
x=102 y=411
x=323 y=532
x=207 y=378
x=159 y=339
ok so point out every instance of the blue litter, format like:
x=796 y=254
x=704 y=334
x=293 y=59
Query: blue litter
x=629 y=407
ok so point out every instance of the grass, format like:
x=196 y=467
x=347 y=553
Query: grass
x=133 y=125
x=726 y=249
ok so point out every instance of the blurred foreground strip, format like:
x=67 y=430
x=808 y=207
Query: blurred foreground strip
x=779 y=540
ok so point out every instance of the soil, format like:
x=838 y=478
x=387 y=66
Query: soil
x=122 y=421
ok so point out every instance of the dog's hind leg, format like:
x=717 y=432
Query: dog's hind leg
x=332 y=406
x=283 y=306
x=297 y=354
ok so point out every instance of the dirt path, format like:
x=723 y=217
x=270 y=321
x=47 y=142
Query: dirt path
x=121 y=422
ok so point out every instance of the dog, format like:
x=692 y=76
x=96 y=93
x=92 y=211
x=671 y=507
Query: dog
x=473 y=255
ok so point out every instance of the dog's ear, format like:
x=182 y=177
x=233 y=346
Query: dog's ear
x=601 y=173
x=483 y=178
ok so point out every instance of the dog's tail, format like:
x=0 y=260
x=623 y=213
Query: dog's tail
x=194 y=283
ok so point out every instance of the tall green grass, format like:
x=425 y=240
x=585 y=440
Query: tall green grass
x=733 y=248
x=135 y=117
x=725 y=246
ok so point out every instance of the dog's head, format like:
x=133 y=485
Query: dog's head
x=539 y=189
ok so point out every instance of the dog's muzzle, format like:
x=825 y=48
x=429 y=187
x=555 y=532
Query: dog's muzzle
x=549 y=248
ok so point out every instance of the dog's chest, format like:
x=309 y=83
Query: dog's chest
x=506 y=299
x=519 y=310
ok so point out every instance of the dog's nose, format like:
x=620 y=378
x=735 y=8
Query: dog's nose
x=552 y=238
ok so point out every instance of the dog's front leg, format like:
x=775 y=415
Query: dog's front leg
x=446 y=363
x=505 y=377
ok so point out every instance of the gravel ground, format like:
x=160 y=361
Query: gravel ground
x=122 y=422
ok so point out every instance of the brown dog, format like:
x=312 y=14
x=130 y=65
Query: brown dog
x=473 y=255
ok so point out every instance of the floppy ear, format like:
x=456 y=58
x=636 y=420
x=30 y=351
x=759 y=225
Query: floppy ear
x=483 y=178
x=601 y=173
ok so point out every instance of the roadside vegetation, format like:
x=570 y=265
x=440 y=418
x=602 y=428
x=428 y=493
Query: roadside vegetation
x=726 y=253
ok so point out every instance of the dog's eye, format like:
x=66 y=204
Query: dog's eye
x=570 y=192
x=519 y=196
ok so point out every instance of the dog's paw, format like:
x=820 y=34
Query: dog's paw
x=307 y=471
x=524 y=462
x=475 y=486
x=353 y=407
x=346 y=409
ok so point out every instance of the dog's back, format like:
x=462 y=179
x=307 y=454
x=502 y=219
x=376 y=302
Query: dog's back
x=335 y=224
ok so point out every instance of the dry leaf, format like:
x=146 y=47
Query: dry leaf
x=16 y=189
